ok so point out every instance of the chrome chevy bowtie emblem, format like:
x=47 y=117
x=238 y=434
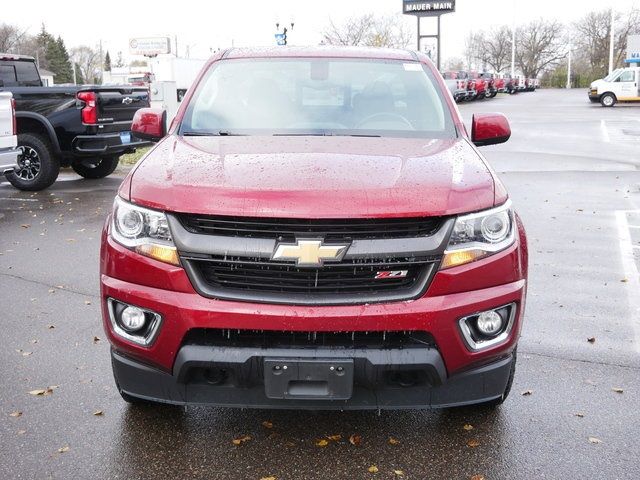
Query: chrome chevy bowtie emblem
x=310 y=253
x=127 y=100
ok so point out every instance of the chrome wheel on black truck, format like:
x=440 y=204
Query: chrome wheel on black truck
x=38 y=166
x=103 y=168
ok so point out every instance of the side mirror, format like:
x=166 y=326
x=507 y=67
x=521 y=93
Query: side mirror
x=149 y=124
x=489 y=129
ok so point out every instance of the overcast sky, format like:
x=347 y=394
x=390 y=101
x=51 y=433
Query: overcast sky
x=212 y=24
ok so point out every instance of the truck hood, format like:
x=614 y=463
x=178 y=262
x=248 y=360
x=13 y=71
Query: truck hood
x=312 y=177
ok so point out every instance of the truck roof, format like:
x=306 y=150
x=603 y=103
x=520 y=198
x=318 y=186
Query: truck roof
x=320 y=52
x=13 y=56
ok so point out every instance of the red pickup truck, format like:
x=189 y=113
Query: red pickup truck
x=316 y=230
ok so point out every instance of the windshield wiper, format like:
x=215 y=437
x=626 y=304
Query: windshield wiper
x=220 y=133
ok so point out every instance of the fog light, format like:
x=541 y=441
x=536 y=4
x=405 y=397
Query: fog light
x=489 y=323
x=132 y=319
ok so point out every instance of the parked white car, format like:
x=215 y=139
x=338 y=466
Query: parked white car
x=8 y=138
x=621 y=85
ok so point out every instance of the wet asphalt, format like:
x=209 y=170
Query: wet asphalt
x=574 y=412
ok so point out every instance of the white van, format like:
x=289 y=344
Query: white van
x=621 y=85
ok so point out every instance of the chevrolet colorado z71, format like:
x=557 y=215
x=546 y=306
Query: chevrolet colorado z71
x=85 y=127
x=316 y=230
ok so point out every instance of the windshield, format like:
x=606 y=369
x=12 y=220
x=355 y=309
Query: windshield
x=613 y=75
x=318 y=97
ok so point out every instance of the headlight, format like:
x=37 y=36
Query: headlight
x=480 y=234
x=144 y=231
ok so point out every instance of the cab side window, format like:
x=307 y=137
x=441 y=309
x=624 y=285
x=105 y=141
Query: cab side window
x=628 y=76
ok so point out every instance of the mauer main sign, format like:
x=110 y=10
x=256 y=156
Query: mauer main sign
x=428 y=7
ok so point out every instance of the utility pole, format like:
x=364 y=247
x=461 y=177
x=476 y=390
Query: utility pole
x=101 y=64
x=611 y=39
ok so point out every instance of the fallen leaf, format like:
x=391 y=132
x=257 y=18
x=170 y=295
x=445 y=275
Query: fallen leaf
x=477 y=477
x=594 y=440
x=87 y=302
x=373 y=469
x=51 y=327
x=393 y=441
x=26 y=354
x=21 y=432
x=334 y=438
x=267 y=424
x=473 y=443
x=37 y=392
x=468 y=427
x=322 y=443
x=355 y=439
x=52 y=290
x=17 y=413
x=98 y=413
x=624 y=280
x=25 y=225
x=591 y=339
x=399 y=473
x=579 y=414
x=618 y=390
x=96 y=339
x=526 y=393
x=241 y=440
x=268 y=478
x=63 y=449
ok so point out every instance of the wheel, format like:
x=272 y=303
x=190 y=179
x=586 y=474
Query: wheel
x=493 y=94
x=38 y=166
x=103 y=168
x=608 y=100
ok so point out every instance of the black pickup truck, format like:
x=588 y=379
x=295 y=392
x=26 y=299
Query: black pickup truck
x=84 y=127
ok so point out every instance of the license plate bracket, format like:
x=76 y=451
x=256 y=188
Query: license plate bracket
x=308 y=379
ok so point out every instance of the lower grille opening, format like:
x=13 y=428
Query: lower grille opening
x=281 y=339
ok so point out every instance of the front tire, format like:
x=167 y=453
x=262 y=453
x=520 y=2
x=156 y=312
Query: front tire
x=608 y=100
x=105 y=167
x=38 y=165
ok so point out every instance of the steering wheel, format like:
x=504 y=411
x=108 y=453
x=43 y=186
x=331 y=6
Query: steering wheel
x=389 y=115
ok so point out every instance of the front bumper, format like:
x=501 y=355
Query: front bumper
x=593 y=95
x=481 y=384
x=102 y=145
x=8 y=161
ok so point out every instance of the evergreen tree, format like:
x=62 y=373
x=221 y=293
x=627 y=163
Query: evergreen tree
x=43 y=39
x=58 y=60
x=107 y=62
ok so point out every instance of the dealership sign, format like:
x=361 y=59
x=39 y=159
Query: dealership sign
x=150 y=46
x=633 y=49
x=425 y=8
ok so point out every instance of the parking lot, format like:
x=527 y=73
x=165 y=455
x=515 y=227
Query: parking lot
x=572 y=170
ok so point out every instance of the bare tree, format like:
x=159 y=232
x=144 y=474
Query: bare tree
x=454 y=64
x=592 y=34
x=496 y=48
x=369 y=30
x=11 y=38
x=474 y=50
x=88 y=61
x=540 y=46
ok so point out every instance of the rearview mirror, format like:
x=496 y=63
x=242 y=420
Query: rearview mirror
x=489 y=129
x=149 y=124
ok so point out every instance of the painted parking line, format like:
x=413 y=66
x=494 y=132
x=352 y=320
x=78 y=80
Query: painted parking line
x=630 y=269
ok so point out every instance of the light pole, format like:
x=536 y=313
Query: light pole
x=611 y=39
x=513 y=41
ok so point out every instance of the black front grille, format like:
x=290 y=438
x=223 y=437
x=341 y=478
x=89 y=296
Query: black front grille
x=329 y=229
x=347 y=278
x=283 y=339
